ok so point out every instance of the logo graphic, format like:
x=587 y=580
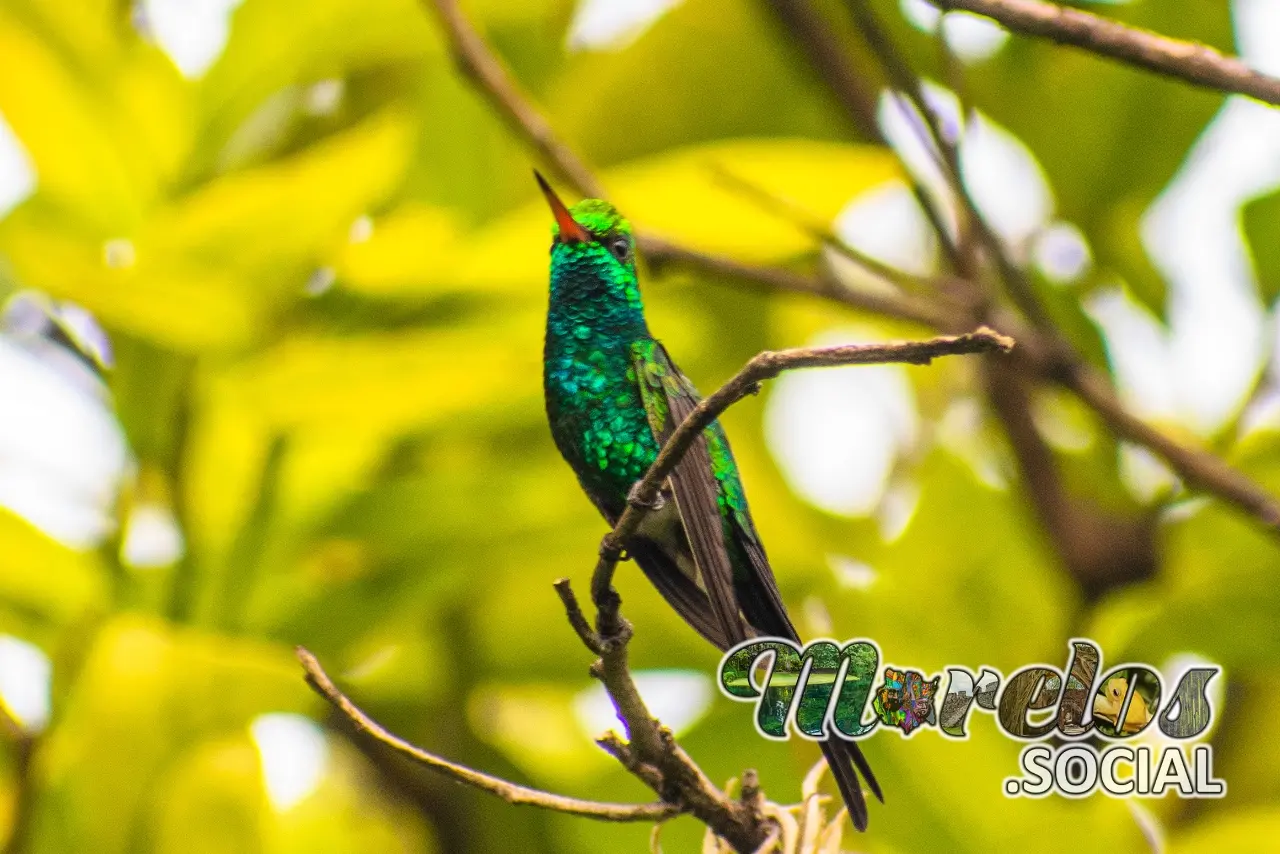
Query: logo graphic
x=905 y=700
x=824 y=688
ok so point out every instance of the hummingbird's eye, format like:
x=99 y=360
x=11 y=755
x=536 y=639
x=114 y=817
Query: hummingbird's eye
x=621 y=249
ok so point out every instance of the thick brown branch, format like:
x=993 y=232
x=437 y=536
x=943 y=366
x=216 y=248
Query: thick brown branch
x=1188 y=61
x=509 y=792
x=651 y=752
x=763 y=366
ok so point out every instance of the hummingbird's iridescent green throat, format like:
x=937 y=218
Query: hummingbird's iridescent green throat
x=594 y=317
x=613 y=396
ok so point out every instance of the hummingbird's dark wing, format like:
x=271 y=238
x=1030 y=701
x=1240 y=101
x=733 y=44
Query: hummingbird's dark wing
x=668 y=400
x=763 y=607
x=680 y=591
x=669 y=397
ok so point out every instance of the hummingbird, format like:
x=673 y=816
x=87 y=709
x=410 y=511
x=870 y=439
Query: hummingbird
x=613 y=396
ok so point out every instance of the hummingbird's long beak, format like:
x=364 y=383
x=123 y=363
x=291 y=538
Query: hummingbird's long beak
x=570 y=230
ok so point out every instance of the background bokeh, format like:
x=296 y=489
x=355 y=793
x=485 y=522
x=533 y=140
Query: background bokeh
x=315 y=262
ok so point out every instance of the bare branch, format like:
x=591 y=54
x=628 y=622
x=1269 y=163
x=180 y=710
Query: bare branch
x=651 y=753
x=846 y=82
x=512 y=104
x=823 y=49
x=577 y=620
x=1196 y=466
x=660 y=253
x=491 y=78
x=793 y=214
x=1199 y=468
x=1187 y=61
x=904 y=77
x=763 y=366
x=1100 y=550
x=509 y=792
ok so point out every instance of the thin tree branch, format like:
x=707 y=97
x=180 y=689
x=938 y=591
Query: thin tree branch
x=1100 y=550
x=828 y=57
x=651 y=752
x=846 y=82
x=763 y=366
x=509 y=792
x=1058 y=360
x=511 y=103
x=661 y=254
x=904 y=78
x=947 y=286
x=942 y=148
x=1187 y=61
x=1197 y=467
x=479 y=63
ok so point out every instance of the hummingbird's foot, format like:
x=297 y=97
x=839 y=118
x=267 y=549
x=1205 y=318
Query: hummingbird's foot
x=634 y=499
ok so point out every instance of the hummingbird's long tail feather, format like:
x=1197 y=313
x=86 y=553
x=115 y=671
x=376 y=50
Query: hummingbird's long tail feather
x=763 y=608
x=847 y=779
x=691 y=603
x=854 y=755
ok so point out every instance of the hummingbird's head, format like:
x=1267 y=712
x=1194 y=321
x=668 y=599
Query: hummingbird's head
x=592 y=252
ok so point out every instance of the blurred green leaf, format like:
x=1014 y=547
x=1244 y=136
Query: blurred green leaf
x=1260 y=221
x=63 y=128
x=216 y=786
x=285 y=214
x=328 y=39
x=42 y=576
x=148 y=695
x=171 y=300
x=641 y=100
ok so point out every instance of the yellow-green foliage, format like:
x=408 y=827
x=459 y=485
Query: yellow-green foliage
x=366 y=470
